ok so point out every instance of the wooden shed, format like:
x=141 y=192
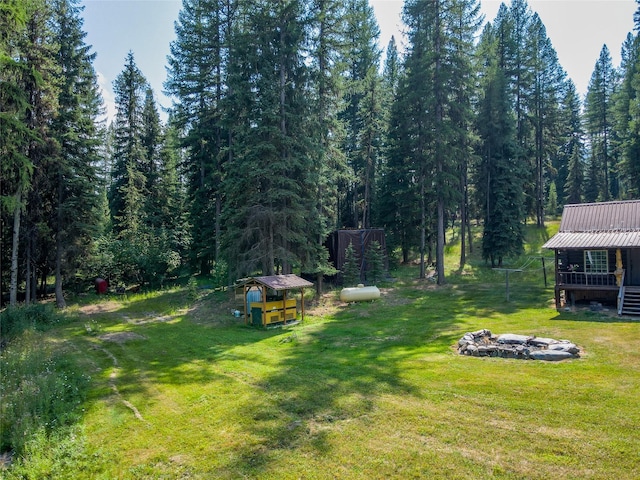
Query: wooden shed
x=597 y=254
x=266 y=301
x=361 y=239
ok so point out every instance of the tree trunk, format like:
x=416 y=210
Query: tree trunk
x=13 y=286
x=423 y=227
x=60 y=303
x=440 y=243
x=463 y=216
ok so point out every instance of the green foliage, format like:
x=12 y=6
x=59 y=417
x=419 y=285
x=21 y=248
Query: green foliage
x=36 y=316
x=41 y=388
x=374 y=258
x=552 y=200
x=599 y=115
x=192 y=288
x=351 y=267
x=61 y=453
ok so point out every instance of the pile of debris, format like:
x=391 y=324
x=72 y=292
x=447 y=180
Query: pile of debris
x=484 y=344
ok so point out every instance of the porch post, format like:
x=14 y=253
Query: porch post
x=619 y=271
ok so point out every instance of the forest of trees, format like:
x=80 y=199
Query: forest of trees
x=287 y=123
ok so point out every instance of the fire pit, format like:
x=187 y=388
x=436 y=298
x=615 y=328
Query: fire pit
x=485 y=344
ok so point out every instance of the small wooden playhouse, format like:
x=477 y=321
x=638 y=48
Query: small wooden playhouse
x=266 y=301
x=597 y=255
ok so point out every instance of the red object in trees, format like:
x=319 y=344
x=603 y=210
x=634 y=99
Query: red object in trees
x=101 y=286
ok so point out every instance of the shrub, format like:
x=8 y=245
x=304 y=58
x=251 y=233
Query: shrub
x=374 y=257
x=351 y=267
x=15 y=320
x=40 y=387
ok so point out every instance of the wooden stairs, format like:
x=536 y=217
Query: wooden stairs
x=629 y=301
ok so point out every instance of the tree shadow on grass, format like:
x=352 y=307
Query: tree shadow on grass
x=299 y=385
x=335 y=372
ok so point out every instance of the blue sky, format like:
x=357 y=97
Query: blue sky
x=577 y=28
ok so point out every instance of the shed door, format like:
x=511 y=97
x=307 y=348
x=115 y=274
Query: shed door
x=633 y=267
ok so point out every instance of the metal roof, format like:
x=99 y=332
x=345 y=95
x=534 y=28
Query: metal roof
x=598 y=225
x=281 y=282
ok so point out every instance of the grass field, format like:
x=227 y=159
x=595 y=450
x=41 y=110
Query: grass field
x=182 y=389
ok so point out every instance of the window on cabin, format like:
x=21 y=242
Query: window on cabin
x=596 y=261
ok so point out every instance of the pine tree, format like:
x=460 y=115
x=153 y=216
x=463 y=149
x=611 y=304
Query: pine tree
x=544 y=107
x=329 y=168
x=16 y=168
x=374 y=260
x=441 y=38
x=362 y=111
x=130 y=162
x=598 y=111
x=569 y=162
x=499 y=177
x=198 y=78
x=574 y=186
x=627 y=116
x=75 y=128
x=515 y=53
x=398 y=211
x=41 y=85
x=270 y=206
x=351 y=267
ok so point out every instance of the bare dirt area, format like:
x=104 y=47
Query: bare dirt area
x=104 y=307
x=120 y=337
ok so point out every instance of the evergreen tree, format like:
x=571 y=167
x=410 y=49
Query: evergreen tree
x=569 y=163
x=198 y=78
x=16 y=168
x=351 y=267
x=75 y=128
x=499 y=176
x=130 y=163
x=441 y=39
x=599 y=116
x=398 y=211
x=272 y=217
x=627 y=116
x=574 y=186
x=41 y=85
x=374 y=260
x=552 y=201
x=544 y=110
x=514 y=52
x=361 y=114
x=329 y=165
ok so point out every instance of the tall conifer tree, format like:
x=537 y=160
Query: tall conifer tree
x=198 y=80
x=130 y=162
x=599 y=116
x=76 y=130
x=361 y=59
x=441 y=47
x=270 y=209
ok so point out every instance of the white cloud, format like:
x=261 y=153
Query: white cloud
x=108 y=98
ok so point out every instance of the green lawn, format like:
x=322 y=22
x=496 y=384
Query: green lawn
x=372 y=390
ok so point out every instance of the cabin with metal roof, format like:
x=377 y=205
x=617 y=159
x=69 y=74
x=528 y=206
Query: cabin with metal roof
x=597 y=255
x=266 y=301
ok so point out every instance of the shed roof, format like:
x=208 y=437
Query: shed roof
x=598 y=225
x=280 y=282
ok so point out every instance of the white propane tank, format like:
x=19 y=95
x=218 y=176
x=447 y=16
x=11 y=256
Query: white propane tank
x=359 y=294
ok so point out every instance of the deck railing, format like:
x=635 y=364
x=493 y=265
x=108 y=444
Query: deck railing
x=587 y=279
